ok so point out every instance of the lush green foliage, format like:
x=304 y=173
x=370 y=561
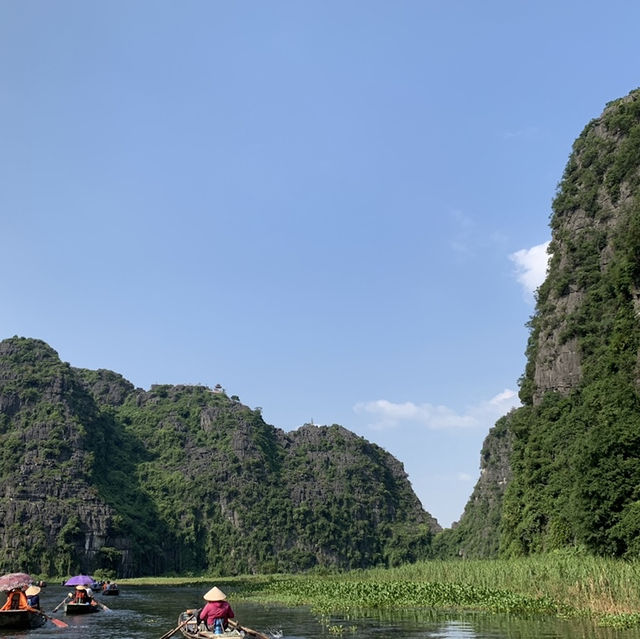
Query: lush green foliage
x=475 y=536
x=183 y=479
x=576 y=455
x=574 y=447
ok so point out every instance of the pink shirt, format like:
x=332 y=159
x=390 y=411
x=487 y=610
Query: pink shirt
x=216 y=610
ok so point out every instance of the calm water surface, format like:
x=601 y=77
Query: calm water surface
x=149 y=612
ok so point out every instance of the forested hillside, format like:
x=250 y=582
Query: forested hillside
x=97 y=474
x=571 y=455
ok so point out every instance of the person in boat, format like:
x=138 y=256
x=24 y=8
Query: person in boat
x=82 y=595
x=33 y=596
x=216 y=613
x=16 y=600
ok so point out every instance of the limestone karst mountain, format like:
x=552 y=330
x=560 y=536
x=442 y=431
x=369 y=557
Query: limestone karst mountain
x=564 y=469
x=97 y=474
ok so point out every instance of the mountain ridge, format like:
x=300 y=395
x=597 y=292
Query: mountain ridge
x=98 y=474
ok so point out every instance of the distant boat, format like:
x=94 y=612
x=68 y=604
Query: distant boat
x=110 y=590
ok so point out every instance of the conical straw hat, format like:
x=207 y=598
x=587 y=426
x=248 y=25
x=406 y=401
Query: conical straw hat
x=215 y=594
x=32 y=590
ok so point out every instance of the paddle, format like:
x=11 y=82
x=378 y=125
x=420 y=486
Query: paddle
x=98 y=603
x=235 y=624
x=166 y=635
x=55 y=622
x=63 y=601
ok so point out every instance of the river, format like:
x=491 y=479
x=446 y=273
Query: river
x=149 y=612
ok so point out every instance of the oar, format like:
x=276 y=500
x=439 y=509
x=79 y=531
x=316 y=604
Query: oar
x=56 y=622
x=63 y=601
x=98 y=603
x=166 y=635
x=235 y=624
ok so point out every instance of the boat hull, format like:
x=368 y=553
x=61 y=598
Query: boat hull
x=20 y=619
x=110 y=592
x=81 y=608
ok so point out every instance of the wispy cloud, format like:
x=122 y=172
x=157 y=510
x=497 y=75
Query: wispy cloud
x=531 y=267
x=526 y=132
x=464 y=227
x=388 y=414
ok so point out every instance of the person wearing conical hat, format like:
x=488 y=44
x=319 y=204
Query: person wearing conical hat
x=217 y=611
x=82 y=595
x=33 y=596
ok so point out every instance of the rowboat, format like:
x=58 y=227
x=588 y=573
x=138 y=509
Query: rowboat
x=20 y=619
x=110 y=591
x=191 y=629
x=73 y=608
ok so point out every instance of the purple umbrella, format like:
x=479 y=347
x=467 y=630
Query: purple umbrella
x=79 y=580
x=14 y=580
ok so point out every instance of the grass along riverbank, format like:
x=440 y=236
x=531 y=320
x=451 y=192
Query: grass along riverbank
x=557 y=584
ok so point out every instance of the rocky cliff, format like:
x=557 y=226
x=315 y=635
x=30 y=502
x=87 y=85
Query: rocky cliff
x=97 y=474
x=572 y=451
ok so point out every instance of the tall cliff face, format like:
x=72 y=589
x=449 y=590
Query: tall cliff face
x=48 y=504
x=476 y=535
x=595 y=207
x=573 y=449
x=95 y=473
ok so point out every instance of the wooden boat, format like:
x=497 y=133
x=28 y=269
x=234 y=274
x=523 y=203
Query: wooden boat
x=73 y=608
x=20 y=619
x=192 y=630
x=110 y=591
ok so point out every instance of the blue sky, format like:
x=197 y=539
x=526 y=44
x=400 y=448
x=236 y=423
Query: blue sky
x=334 y=209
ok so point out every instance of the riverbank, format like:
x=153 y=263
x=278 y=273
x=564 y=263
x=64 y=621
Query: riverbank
x=563 y=585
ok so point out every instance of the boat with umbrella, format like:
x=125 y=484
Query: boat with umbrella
x=81 y=601
x=16 y=614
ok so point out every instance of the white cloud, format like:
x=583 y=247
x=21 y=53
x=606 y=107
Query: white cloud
x=531 y=267
x=390 y=415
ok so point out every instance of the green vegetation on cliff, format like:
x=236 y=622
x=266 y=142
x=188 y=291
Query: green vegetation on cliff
x=576 y=453
x=574 y=446
x=96 y=474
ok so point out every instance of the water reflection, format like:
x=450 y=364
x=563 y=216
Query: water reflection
x=149 y=612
